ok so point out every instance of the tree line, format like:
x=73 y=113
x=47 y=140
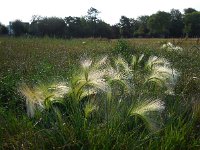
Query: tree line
x=160 y=24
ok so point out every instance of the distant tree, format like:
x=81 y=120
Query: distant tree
x=19 y=28
x=134 y=26
x=33 y=29
x=92 y=19
x=75 y=26
x=82 y=27
x=192 y=24
x=189 y=10
x=125 y=27
x=92 y=14
x=103 y=30
x=159 y=24
x=3 y=29
x=176 y=23
x=115 y=31
x=142 y=26
x=86 y=29
x=52 y=27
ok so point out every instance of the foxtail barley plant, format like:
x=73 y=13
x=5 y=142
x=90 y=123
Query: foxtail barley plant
x=170 y=47
x=99 y=84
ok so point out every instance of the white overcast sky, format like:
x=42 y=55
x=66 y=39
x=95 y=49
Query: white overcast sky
x=111 y=10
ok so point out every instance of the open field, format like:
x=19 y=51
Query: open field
x=108 y=118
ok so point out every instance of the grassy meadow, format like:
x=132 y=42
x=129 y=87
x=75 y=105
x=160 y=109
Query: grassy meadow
x=99 y=93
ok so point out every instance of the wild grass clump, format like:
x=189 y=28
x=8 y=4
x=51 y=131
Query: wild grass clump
x=170 y=47
x=105 y=95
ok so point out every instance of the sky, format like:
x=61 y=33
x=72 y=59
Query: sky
x=111 y=10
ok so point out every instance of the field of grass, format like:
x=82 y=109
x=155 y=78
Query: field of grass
x=108 y=94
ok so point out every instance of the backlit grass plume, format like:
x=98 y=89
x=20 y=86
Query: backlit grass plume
x=143 y=71
x=34 y=98
x=40 y=97
x=90 y=80
x=161 y=73
x=142 y=110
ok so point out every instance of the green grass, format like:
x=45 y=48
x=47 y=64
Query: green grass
x=93 y=122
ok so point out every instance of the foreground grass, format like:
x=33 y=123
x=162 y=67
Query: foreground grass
x=35 y=61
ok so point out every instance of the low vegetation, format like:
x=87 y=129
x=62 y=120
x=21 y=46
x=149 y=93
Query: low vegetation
x=99 y=93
